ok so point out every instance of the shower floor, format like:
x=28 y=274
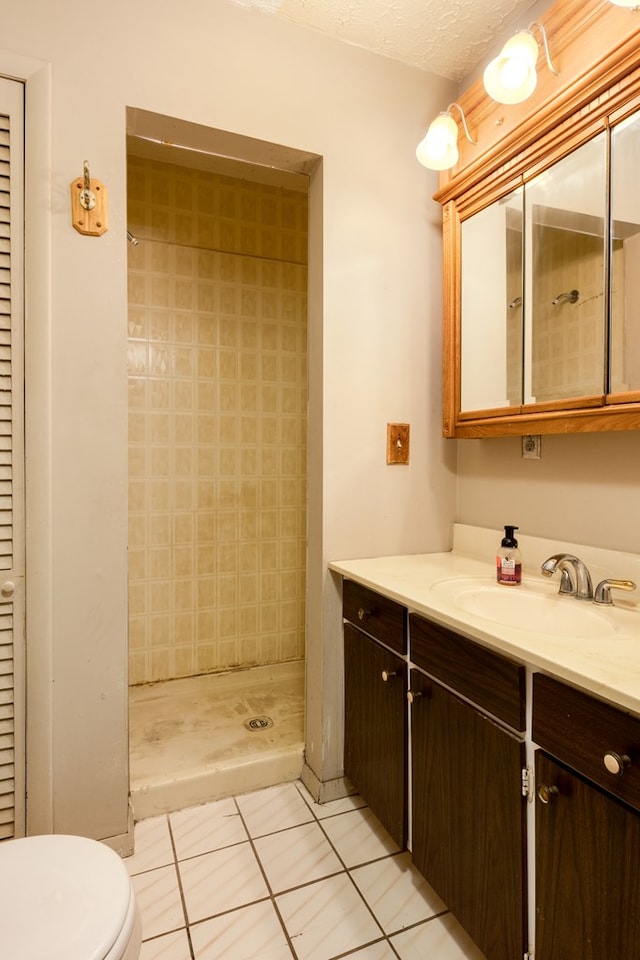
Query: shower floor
x=189 y=742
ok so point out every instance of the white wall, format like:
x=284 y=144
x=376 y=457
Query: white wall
x=584 y=489
x=376 y=342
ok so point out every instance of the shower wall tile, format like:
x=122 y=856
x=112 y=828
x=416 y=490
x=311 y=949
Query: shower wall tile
x=217 y=422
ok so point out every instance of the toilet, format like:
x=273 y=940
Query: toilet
x=66 y=898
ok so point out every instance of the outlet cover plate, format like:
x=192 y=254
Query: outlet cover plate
x=398 y=443
x=532 y=447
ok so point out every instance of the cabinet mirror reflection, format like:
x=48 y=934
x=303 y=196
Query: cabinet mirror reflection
x=625 y=274
x=565 y=313
x=550 y=284
x=492 y=306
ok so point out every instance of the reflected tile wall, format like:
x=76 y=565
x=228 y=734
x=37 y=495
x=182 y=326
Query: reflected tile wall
x=217 y=422
x=568 y=339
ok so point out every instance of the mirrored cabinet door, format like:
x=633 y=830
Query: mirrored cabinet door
x=492 y=306
x=541 y=244
x=624 y=351
x=565 y=262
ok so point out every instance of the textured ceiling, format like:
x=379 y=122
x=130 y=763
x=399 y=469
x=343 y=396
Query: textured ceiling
x=445 y=37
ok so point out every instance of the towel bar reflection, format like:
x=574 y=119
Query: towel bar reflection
x=571 y=297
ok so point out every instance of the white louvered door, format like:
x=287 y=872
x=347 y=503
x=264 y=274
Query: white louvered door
x=12 y=547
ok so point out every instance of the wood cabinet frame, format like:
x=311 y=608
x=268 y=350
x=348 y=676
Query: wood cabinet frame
x=596 y=49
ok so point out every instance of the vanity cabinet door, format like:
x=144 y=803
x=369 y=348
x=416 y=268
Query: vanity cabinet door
x=375 y=749
x=587 y=870
x=468 y=816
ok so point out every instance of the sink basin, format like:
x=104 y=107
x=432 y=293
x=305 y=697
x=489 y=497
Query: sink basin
x=532 y=606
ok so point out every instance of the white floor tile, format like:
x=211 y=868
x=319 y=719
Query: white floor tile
x=251 y=933
x=172 y=946
x=158 y=897
x=220 y=881
x=275 y=808
x=152 y=846
x=323 y=908
x=358 y=837
x=322 y=810
x=398 y=895
x=296 y=856
x=442 y=938
x=208 y=827
x=327 y=918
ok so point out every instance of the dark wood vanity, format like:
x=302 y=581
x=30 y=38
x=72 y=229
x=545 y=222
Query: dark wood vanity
x=467 y=802
x=375 y=677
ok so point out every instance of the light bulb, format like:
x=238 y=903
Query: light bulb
x=511 y=76
x=439 y=148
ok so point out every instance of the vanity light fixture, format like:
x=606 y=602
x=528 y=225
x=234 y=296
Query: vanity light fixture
x=511 y=77
x=438 y=150
x=629 y=4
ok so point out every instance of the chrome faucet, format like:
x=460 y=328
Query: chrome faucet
x=575 y=578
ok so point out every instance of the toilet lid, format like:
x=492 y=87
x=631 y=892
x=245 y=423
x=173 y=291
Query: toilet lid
x=61 y=898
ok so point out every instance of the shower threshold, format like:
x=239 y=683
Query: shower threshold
x=191 y=739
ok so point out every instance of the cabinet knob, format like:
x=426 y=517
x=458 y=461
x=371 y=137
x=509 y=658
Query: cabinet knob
x=388 y=675
x=363 y=614
x=8 y=588
x=546 y=794
x=413 y=695
x=616 y=763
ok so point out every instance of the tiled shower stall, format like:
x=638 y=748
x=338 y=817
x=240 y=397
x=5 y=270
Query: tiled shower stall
x=217 y=373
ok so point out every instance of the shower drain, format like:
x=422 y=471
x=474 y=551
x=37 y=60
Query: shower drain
x=258 y=723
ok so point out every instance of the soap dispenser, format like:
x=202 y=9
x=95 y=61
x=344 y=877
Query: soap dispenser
x=508 y=563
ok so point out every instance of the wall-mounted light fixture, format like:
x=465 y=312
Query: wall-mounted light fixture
x=439 y=148
x=511 y=77
x=629 y=4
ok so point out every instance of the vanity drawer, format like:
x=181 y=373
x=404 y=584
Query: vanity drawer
x=378 y=616
x=493 y=682
x=580 y=731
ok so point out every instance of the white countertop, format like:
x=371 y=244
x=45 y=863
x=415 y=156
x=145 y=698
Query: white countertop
x=607 y=664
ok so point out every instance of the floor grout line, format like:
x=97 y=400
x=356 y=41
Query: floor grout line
x=180 y=888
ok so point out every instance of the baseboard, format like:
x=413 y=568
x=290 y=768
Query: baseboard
x=323 y=791
x=123 y=843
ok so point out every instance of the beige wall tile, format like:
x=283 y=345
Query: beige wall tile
x=217 y=391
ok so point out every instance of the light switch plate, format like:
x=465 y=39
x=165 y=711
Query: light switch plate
x=397 y=443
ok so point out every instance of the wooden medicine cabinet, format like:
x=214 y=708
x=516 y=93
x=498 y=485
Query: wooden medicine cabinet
x=541 y=229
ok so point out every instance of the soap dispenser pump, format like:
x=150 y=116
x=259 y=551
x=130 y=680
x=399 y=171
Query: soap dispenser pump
x=508 y=563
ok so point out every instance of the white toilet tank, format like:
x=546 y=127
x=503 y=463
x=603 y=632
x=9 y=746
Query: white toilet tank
x=66 y=898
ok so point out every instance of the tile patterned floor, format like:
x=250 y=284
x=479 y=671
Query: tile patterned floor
x=271 y=875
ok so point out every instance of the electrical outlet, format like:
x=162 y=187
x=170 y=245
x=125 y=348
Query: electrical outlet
x=531 y=447
x=397 y=443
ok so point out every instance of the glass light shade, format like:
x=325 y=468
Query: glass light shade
x=439 y=148
x=511 y=76
x=629 y=4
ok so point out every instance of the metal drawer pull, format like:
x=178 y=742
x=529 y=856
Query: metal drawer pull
x=363 y=614
x=413 y=695
x=547 y=794
x=388 y=675
x=616 y=763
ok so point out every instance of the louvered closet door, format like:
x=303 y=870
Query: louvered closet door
x=12 y=631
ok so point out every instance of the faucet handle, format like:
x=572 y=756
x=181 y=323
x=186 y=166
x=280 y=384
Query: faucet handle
x=604 y=588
